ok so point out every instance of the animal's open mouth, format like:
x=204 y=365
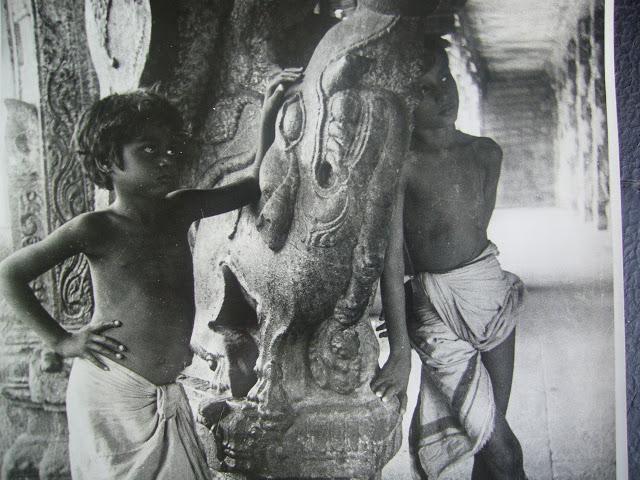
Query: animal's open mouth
x=237 y=321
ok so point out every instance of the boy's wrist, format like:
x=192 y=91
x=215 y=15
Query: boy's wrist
x=56 y=339
x=400 y=354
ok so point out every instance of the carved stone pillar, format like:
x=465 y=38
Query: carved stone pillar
x=67 y=86
x=283 y=287
x=46 y=189
x=567 y=189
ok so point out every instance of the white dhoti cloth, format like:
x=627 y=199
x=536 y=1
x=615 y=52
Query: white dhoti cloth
x=122 y=426
x=456 y=315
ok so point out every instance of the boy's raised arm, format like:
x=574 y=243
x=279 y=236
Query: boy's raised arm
x=23 y=266
x=392 y=379
x=209 y=202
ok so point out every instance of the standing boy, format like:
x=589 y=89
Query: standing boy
x=128 y=419
x=462 y=321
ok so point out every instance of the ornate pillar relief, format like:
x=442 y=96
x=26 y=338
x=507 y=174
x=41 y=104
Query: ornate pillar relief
x=67 y=85
x=46 y=189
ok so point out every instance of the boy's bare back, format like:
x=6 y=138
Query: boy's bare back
x=446 y=213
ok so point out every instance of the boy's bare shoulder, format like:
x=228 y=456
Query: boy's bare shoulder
x=92 y=229
x=487 y=149
x=91 y=223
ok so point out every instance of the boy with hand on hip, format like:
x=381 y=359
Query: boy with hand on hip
x=461 y=321
x=127 y=416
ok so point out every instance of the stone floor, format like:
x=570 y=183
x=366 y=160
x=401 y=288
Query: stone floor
x=562 y=403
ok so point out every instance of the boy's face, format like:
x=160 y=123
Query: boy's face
x=439 y=105
x=151 y=162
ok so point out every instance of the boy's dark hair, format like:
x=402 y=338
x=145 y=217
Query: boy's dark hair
x=109 y=123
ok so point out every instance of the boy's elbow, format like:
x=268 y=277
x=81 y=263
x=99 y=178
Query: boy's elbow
x=7 y=277
x=5 y=269
x=253 y=189
x=10 y=275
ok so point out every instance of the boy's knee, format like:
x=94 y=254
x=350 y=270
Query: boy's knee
x=513 y=460
x=503 y=452
x=508 y=466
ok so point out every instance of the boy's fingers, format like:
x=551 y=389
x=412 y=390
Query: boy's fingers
x=379 y=387
x=403 y=402
x=381 y=327
x=108 y=342
x=292 y=75
x=93 y=359
x=377 y=383
x=382 y=393
x=288 y=74
x=294 y=72
x=277 y=93
x=279 y=79
x=286 y=77
x=383 y=334
x=292 y=78
x=273 y=89
x=391 y=392
x=212 y=362
x=96 y=347
x=106 y=326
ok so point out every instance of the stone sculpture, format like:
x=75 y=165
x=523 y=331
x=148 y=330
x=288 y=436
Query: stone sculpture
x=282 y=288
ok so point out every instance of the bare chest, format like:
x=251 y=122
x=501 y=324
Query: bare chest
x=151 y=256
x=448 y=188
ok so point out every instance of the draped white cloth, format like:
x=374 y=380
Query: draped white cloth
x=457 y=315
x=122 y=426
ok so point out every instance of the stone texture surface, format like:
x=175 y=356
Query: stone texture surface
x=67 y=85
x=32 y=383
x=118 y=36
x=301 y=266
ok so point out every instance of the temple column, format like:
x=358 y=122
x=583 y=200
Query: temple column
x=581 y=139
x=52 y=82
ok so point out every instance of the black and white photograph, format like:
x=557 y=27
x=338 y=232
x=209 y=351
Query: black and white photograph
x=310 y=239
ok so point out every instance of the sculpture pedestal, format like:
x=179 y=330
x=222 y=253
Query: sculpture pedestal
x=322 y=441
